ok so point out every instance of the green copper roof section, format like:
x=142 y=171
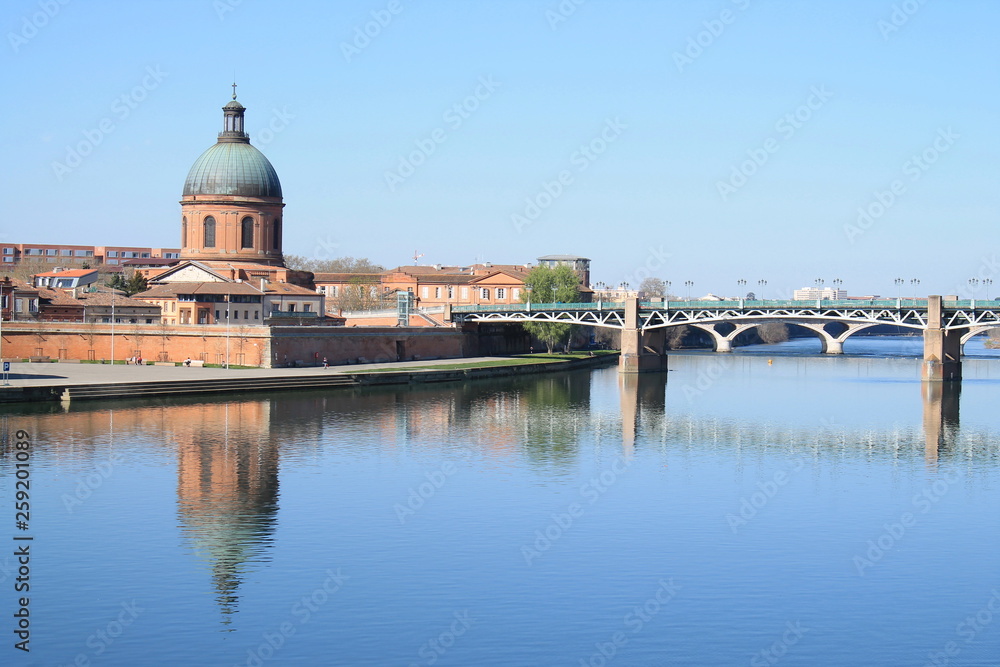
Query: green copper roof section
x=232 y=168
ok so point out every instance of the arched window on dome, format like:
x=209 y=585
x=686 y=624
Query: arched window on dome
x=277 y=233
x=184 y=232
x=247 y=232
x=209 y=232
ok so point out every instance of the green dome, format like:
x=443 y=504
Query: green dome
x=232 y=168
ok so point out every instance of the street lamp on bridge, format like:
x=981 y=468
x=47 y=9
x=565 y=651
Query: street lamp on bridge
x=763 y=284
x=689 y=284
x=899 y=287
x=987 y=282
x=973 y=283
x=740 y=284
x=914 y=282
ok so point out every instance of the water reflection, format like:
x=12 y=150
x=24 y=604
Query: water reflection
x=941 y=407
x=227 y=488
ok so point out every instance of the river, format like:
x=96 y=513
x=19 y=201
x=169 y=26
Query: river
x=768 y=506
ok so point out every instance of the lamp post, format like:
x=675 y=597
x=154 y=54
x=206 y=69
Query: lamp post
x=973 y=283
x=227 y=328
x=987 y=282
x=666 y=288
x=689 y=284
x=112 y=328
x=740 y=284
x=914 y=282
x=763 y=284
x=837 y=282
x=899 y=287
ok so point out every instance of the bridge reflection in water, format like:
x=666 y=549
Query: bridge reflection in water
x=229 y=456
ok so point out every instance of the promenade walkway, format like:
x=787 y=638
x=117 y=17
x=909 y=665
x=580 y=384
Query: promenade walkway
x=58 y=374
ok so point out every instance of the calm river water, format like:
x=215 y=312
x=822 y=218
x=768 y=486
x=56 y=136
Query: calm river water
x=771 y=506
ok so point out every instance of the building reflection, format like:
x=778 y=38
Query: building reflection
x=227 y=488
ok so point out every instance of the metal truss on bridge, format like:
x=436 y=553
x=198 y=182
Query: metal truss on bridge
x=976 y=316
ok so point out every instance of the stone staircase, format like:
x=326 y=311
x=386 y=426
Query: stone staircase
x=91 y=392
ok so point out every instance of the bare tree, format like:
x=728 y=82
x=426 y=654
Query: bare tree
x=336 y=265
x=675 y=336
x=773 y=332
x=653 y=287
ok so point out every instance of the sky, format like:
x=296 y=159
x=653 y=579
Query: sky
x=711 y=141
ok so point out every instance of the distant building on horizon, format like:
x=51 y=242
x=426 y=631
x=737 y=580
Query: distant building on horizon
x=813 y=293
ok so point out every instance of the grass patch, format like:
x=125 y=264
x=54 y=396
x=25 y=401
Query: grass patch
x=516 y=360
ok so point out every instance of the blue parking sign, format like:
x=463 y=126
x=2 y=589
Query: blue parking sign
x=6 y=367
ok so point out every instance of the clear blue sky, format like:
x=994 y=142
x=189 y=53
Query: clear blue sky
x=676 y=123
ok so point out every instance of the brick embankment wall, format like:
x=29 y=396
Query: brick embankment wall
x=247 y=346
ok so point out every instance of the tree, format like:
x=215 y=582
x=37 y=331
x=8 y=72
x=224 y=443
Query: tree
x=335 y=265
x=362 y=293
x=132 y=284
x=551 y=285
x=773 y=332
x=653 y=287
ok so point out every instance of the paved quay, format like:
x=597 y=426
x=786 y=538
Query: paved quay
x=60 y=374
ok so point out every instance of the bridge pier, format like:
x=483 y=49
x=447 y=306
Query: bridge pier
x=942 y=347
x=833 y=344
x=642 y=352
x=724 y=342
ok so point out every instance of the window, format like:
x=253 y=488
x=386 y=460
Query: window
x=465 y=293
x=209 y=232
x=486 y=294
x=451 y=292
x=256 y=314
x=112 y=253
x=144 y=254
x=246 y=314
x=217 y=315
x=437 y=292
x=50 y=252
x=307 y=307
x=184 y=231
x=516 y=294
x=291 y=307
x=8 y=258
x=277 y=233
x=501 y=293
x=33 y=305
x=332 y=290
x=66 y=253
x=83 y=253
x=8 y=251
x=247 y=233
x=424 y=291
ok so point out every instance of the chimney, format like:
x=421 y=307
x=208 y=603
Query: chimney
x=263 y=285
x=74 y=292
